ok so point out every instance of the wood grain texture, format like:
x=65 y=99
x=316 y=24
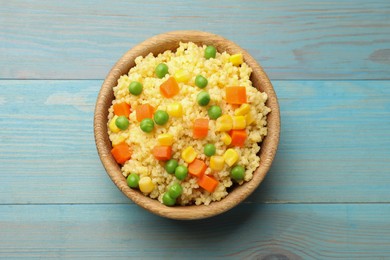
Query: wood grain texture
x=157 y=45
x=246 y=232
x=334 y=144
x=56 y=200
x=291 y=39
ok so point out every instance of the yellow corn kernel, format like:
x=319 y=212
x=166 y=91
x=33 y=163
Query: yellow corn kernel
x=239 y=122
x=165 y=139
x=242 y=110
x=175 y=110
x=189 y=154
x=236 y=59
x=230 y=156
x=112 y=125
x=217 y=162
x=224 y=123
x=146 y=185
x=226 y=139
x=182 y=76
x=250 y=118
x=118 y=140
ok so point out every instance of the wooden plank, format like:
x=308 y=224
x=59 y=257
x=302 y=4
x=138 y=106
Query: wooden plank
x=47 y=145
x=333 y=146
x=249 y=231
x=291 y=39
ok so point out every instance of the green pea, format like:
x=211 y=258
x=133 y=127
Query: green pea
x=210 y=52
x=209 y=150
x=161 y=117
x=170 y=166
x=168 y=200
x=203 y=98
x=161 y=70
x=201 y=81
x=133 y=180
x=214 y=112
x=175 y=190
x=181 y=172
x=122 y=122
x=135 y=88
x=147 y=125
x=237 y=173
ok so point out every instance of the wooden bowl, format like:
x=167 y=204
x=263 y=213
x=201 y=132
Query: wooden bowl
x=159 y=44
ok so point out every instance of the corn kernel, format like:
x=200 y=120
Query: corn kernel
x=230 y=156
x=146 y=185
x=189 y=154
x=217 y=163
x=236 y=59
x=165 y=139
x=224 y=123
x=175 y=110
x=226 y=139
x=242 y=110
x=250 y=118
x=118 y=140
x=239 y=122
x=182 y=76
x=112 y=125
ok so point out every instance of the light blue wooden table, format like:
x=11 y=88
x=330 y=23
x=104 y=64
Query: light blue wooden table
x=326 y=196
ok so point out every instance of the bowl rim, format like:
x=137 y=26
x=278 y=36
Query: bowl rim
x=156 y=44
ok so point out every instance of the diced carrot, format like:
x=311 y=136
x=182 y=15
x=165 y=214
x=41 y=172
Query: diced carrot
x=144 y=111
x=208 y=183
x=238 y=137
x=200 y=128
x=121 y=152
x=122 y=109
x=169 y=88
x=162 y=152
x=236 y=95
x=197 y=168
